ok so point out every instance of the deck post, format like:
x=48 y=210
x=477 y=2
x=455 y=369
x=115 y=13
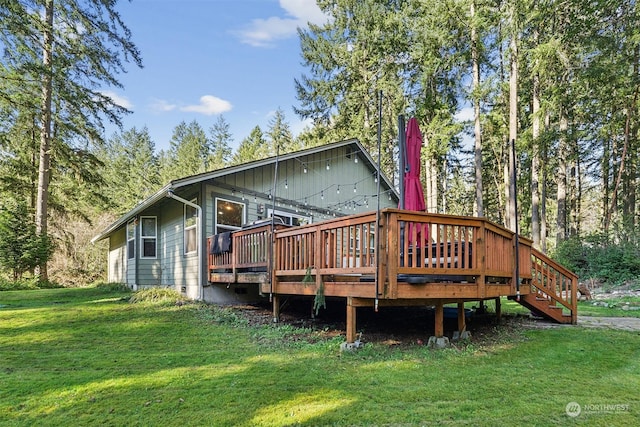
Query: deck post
x=351 y=321
x=276 y=308
x=462 y=326
x=439 y=340
x=499 y=308
x=439 y=327
x=461 y=333
x=351 y=343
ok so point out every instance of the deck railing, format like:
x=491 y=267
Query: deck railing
x=409 y=243
x=250 y=251
x=552 y=281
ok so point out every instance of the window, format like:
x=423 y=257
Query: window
x=148 y=236
x=229 y=215
x=290 y=218
x=190 y=228
x=131 y=239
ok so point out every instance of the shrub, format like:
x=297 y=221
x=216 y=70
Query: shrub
x=26 y=284
x=595 y=257
x=112 y=286
x=21 y=248
x=157 y=295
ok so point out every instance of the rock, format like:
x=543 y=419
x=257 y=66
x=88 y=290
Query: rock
x=438 y=342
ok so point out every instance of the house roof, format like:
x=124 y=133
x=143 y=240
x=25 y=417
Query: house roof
x=194 y=179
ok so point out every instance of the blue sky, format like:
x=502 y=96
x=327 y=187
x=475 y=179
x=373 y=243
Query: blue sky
x=205 y=58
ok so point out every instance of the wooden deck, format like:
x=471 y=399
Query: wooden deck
x=398 y=258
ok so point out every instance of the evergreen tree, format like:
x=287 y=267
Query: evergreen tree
x=221 y=140
x=130 y=168
x=21 y=248
x=57 y=55
x=188 y=154
x=279 y=134
x=253 y=147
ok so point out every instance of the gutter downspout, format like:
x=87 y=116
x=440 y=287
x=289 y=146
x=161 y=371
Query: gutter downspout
x=198 y=241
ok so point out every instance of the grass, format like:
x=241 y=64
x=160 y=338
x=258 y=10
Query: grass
x=89 y=356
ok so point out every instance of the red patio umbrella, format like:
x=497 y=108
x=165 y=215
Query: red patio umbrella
x=413 y=192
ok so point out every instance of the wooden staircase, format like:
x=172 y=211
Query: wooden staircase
x=553 y=292
x=543 y=307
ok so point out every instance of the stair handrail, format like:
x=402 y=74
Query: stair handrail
x=570 y=299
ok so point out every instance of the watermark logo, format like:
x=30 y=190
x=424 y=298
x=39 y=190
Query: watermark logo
x=574 y=409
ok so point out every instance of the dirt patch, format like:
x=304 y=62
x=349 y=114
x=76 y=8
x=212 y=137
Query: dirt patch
x=407 y=326
x=390 y=326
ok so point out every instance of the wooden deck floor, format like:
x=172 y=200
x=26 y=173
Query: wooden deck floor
x=397 y=257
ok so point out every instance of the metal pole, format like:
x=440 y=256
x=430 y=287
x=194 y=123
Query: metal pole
x=375 y=306
x=273 y=225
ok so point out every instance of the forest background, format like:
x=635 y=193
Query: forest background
x=556 y=80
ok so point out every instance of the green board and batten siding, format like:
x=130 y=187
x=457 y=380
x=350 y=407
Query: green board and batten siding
x=312 y=194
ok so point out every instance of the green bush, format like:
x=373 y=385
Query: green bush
x=157 y=295
x=112 y=286
x=595 y=257
x=26 y=284
x=21 y=248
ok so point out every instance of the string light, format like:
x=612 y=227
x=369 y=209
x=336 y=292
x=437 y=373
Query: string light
x=338 y=190
x=355 y=188
x=355 y=158
x=304 y=167
x=328 y=165
x=286 y=184
x=322 y=194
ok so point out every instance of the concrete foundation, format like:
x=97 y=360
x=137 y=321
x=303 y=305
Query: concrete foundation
x=438 y=342
x=464 y=335
x=351 y=346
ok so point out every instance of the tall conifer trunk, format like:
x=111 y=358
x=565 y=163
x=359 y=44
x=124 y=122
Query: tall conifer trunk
x=475 y=56
x=513 y=120
x=561 y=198
x=535 y=163
x=42 y=199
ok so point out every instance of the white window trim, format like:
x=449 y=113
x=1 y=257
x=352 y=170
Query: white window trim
x=131 y=223
x=291 y=215
x=142 y=237
x=215 y=216
x=189 y=228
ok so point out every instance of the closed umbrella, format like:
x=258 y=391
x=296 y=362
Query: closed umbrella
x=413 y=192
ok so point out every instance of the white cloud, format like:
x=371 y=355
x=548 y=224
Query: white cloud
x=209 y=105
x=160 y=105
x=464 y=115
x=263 y=32
x=118 y=99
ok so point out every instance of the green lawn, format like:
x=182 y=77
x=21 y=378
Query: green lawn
x=89 y=357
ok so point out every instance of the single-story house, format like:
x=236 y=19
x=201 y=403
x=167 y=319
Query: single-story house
x=163 y=240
